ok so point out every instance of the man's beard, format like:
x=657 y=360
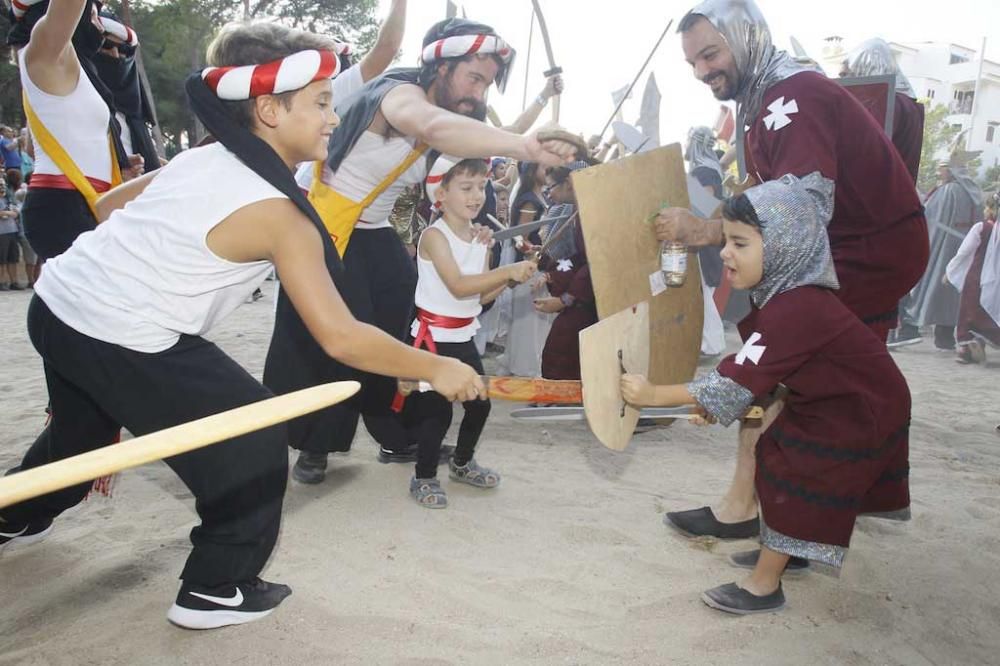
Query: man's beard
x=728 y=91
x=447 y=101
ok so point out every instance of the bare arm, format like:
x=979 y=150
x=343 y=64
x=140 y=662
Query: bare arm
x=117 y=198
x=637 y=391
x=553 y=86
x=294 y=246
x=434 y=247
x=49 y=55
x=406 y=108
x=390 y=37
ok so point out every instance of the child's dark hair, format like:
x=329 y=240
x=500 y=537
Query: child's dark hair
x=469 y=167
x=739 y=209
x=256 y=43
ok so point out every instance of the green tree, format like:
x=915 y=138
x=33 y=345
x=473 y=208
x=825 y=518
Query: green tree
x=937 y=135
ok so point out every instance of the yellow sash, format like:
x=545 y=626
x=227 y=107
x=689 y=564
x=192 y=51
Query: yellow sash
x=65 y=163
x=339 y=214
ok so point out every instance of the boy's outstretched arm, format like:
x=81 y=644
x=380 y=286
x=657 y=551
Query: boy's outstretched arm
x=435 y=246
x=638 y=391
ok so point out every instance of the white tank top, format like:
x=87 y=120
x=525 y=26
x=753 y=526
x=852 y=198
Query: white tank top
x=433 y=295
x=146 y=276
x=369 y=162
x=78 y=121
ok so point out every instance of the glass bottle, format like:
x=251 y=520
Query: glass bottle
x=673 y=263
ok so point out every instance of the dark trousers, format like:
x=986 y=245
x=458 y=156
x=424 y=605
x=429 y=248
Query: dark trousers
x=428 y=416
x=378 y=287
x=53 y=219
x=95 y=388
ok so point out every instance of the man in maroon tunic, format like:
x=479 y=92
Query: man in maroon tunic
x=874 y=58
x=796 y=121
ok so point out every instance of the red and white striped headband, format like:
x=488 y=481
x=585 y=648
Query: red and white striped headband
x=21 y=7
x=290 y=73
x=460 y=46
x=435 y=177
x=120 y=31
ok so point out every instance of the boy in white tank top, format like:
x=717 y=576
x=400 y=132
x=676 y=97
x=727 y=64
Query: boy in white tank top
x=453 y=282
x=130 y=353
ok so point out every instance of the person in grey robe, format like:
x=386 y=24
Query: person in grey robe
x=951 y=208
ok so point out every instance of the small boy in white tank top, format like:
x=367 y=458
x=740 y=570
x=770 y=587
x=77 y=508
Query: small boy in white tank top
x=454 y=281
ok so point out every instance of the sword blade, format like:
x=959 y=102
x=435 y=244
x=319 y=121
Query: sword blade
x=525 y=229
x=578 y=413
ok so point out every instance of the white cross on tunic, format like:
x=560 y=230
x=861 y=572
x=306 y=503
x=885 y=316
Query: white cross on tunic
x=780 y=112
x=751 y=350
x=564 y=266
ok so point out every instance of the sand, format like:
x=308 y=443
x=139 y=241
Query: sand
x=566 y=562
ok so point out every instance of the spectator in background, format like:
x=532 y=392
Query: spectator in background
x=32 y=266
x=9 y=253
x=11 y=150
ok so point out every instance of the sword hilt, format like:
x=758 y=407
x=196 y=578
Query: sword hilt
x=408 y=386
x=553 y=71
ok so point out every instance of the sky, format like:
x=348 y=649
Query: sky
x=601 y=45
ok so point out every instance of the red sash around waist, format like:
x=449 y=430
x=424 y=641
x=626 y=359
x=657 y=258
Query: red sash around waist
x=425 y=339
x=53 y=182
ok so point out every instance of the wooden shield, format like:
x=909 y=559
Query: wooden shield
x=616 y=203
x=616 y=343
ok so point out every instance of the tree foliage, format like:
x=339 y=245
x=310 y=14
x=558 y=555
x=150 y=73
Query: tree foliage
x=938 y=135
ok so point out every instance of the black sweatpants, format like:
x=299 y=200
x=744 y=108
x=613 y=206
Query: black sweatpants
x=377 y=287
x=95 y=388
x=428 y=415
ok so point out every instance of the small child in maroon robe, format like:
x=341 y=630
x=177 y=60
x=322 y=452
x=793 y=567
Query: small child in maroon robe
x=839 y=448
x=571 y=291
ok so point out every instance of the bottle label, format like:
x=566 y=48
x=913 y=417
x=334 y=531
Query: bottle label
x=674 y=262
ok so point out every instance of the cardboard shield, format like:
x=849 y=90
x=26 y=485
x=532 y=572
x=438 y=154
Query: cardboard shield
x=616 y=202
x=617 y=344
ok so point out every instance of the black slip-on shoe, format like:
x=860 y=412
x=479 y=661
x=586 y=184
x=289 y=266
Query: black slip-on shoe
x=409 y=454
x=24 y=535
x=731 y=598
x=702 y=522
x=310 y=468
x=199 y=607
x=747 y=559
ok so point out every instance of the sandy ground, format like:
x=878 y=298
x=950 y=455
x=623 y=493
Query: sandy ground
x=567 y=562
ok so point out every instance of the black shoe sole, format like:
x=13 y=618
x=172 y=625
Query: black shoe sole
x=694 y=535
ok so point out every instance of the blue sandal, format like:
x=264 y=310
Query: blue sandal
x=428 y=493
x=474 y=475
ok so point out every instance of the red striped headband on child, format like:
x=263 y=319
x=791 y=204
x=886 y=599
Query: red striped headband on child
x=463 y=45
x=435 y=177
x=290 y=73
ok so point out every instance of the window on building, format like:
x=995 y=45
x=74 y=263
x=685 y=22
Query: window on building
x=991 y=131
x=957 y=59
x=930 y=94
x=957 y=127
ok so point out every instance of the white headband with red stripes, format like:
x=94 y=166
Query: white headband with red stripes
x=21 y=7
x=120 y=31
x=435 y=176
x=290 y=73
x=462 y=45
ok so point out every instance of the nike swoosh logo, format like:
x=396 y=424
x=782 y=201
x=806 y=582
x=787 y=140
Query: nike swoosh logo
x=231 y=602
x=14 y=535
